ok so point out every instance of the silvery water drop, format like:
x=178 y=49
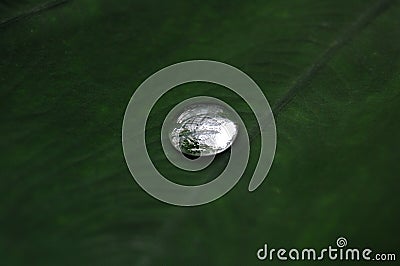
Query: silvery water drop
x=204 y=129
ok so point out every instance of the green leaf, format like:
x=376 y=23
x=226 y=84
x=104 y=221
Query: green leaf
x=330 y=69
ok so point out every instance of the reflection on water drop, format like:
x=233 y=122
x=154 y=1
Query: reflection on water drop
x=204 y=129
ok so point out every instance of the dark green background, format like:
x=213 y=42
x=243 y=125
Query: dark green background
x=330 y=69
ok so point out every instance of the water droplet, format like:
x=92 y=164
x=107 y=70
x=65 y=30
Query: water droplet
x=204 y=129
